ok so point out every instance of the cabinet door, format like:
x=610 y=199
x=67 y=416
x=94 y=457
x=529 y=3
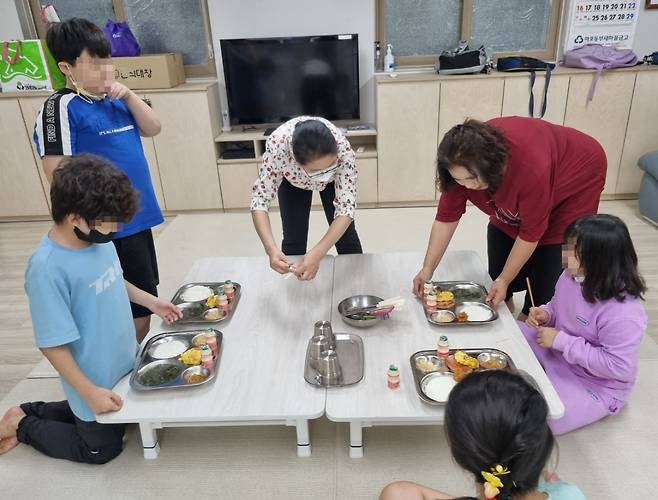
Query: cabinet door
x=461 y=99
x=30 y=107
x=605 y=117
x=186 y=151
x=517 y=95
x=641 y=135
x=236 y=180
x=21 y=192
x=407 y=131
x=367 y=181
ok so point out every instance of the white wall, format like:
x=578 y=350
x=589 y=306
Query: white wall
x=275 y=18
x=10 y=26
x=646 y=35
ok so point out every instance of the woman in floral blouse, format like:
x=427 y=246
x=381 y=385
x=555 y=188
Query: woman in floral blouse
x=303 y=155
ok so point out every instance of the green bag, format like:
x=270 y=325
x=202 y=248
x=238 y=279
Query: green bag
x=29 y=65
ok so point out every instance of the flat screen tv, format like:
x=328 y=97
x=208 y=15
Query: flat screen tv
x=270 y=80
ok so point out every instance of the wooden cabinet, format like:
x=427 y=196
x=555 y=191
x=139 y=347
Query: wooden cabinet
x=605 y=117
x=186 y=150
x=152 y=160
x=517 y=95
x=641 y=134
x=461 y=99
x=30 y=107
x=236 y=180
x=407 y=132
x=21 y=191
x=367 y=180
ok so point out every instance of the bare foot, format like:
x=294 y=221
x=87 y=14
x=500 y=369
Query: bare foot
x=10 y=421
x=8 y=444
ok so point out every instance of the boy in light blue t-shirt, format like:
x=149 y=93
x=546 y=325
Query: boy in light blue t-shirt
x=80 y=308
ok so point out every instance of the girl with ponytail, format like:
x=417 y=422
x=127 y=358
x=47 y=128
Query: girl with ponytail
x=496 y=427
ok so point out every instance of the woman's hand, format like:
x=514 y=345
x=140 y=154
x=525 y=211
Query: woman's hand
x=279 y=261
x=498 y=291
x=537 y=317
x=546 y=336
x=419 y=281
x=308 y=266
x=166 y=310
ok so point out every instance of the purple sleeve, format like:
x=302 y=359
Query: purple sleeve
x=615 y=358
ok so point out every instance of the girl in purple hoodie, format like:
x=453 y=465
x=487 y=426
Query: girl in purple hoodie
x=588 y=336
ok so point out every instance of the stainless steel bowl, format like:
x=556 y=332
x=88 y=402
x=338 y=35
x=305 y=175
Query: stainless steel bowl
x=442 y=396
x=196 y=370
x=359 y=301
x=443 y=316
x=498 y=360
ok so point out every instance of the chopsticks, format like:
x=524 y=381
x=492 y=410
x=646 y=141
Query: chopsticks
x=532 y=300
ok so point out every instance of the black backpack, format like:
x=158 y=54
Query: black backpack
x=521 y=63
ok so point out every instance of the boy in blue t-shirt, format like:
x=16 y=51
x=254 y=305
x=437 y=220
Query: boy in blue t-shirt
x=79 y=303
x=95 y=114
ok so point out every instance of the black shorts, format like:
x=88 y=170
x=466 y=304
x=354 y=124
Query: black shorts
x=140 y=265
x=543 y=267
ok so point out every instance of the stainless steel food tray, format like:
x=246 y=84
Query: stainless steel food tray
x=198 y=318
x=349 y=349
x=144 y=360
x=442 y=368
x=472 y=294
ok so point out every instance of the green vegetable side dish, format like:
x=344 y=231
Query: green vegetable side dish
x=193 y=311
x=468 y=294
x=160 y=375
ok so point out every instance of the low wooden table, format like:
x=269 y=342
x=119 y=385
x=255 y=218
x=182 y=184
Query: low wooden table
x=261 y=370
x=371 y=402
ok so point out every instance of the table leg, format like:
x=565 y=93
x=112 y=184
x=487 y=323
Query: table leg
x=149 y=440
x=356 y=439
x=303 y=439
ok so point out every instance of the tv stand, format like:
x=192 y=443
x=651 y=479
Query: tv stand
x=238 y=174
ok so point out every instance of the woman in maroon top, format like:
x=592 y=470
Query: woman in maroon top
x=533 y=179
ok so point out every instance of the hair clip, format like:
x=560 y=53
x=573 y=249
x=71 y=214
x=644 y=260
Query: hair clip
x=492 y=482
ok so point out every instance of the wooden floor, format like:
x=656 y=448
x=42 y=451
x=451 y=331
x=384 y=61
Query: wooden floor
x=18 y=353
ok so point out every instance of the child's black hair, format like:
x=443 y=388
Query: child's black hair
x=67 y=40
x=312 y=140
x=93 y=188
x=497 y=418
x=607 y=257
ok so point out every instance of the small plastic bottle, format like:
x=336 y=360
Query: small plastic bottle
x=428 y=287
x=430 y=303
x=229 y=290
x=207 y=360
x=442 y=347
x=222 y=303
x=393 y=377
x=389 y=59
x=211 y=341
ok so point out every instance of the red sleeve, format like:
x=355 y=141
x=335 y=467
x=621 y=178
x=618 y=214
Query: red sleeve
x=535 y=206
x=452 y=204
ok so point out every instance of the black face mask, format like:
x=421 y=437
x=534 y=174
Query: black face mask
x=93 y=236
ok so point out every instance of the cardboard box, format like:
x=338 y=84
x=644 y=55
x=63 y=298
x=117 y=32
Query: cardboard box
x=151 y=71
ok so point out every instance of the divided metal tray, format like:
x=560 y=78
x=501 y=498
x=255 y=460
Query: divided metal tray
x=194 y=317
x=146 y=362
x=467 y=294
x=441 y=367
x=349 y=349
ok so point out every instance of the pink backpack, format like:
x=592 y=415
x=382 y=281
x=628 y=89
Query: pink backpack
x=598 y=57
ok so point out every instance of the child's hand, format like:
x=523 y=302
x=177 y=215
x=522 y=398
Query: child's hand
x=103 y=400
x=118 y=91
x=546 y=336
x=166 y=310
x=537 y=317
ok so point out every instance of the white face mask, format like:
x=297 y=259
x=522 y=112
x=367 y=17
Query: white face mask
x=579 y=279
x=324 y=177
